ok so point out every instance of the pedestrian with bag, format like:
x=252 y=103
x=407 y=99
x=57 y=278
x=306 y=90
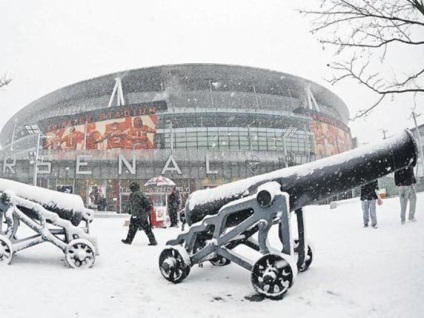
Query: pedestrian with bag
x=139 y=208
x=405 y=181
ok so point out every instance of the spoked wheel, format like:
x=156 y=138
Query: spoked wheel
x=80 y=253
x=6 y=250
x=308 y=257
x=174 y=264
x=219 y=261
x=272 y=276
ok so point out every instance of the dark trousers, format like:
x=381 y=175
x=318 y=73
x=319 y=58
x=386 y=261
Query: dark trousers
x=173 y=217
x=135 y=224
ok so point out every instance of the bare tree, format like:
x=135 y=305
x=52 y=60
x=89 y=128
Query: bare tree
x=4 y=80
x=364 y=33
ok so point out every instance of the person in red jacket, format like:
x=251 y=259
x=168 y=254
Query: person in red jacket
x=94 y=137
x=115 y=136
x=137 y=137
x=72 y=140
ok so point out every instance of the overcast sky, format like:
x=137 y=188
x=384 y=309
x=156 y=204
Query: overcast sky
x=48 y=44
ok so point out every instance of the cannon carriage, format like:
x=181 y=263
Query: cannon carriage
x=55 y=217
x=242 y=213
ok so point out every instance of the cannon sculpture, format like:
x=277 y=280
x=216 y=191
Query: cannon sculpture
x=54 y=216
x=241 y=214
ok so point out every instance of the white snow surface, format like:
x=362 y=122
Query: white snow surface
x=356 y=272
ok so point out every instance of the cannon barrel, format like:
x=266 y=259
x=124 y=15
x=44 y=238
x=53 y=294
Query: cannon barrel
x=315 y=181
x=68 y=206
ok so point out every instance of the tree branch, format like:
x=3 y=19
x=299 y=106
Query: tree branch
x=372 y=81
x=365 y=112
x=5 y=80
x=384 y=42
x=363 y=33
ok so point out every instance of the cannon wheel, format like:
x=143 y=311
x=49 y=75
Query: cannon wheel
x=308 y=258
x=173 y=264
x=272 y=276
x=219 y=261
x=6 y=250
x=80 y=253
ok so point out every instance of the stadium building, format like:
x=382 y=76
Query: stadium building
x=200 y=125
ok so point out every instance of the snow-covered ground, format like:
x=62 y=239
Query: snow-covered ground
x=356 y=272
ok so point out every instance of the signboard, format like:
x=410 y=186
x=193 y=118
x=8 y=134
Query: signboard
x=331 y=135
x=330 y=140
x=120 y=127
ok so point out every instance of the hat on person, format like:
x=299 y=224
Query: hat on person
x=134 y=186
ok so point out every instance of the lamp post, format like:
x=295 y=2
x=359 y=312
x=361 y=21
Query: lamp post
x=66 y=174
x=35 y=130
x=290 y=131
x=285 y=152
x=384 y=131
x=13 y=133
x=36 y=159
x=284 y=149
x=169 y=123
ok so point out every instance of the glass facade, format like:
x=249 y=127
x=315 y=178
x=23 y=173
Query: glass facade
x=234 y=130
x=219 y=124
x=233 y=138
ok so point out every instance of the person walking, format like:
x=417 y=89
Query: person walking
x=140 y=207
x=405 y=181
x=369 y=198
x=173 y=205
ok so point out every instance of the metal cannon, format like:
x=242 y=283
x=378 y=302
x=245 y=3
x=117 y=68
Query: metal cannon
x=227 y=219
x=54 y=216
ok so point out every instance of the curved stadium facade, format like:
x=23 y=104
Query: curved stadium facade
x=200 y=125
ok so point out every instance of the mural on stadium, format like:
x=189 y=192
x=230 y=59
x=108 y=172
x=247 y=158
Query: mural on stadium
x=121 y=127
x=330 y=140
x=331 y=136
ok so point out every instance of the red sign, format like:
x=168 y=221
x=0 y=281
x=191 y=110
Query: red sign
x=122 y=127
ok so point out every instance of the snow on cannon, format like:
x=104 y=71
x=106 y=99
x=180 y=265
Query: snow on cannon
x=231 y=223
x=54 y=216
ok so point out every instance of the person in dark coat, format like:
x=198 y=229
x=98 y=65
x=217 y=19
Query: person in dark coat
x=139 y=208
x=173 y=206
x=369 y=198
x=405 y=181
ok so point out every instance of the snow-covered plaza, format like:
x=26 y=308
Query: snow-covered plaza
x=356 y=272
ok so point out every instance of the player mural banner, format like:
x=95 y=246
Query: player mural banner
x=330 y=140
x=120 y=127
x=331 y=135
